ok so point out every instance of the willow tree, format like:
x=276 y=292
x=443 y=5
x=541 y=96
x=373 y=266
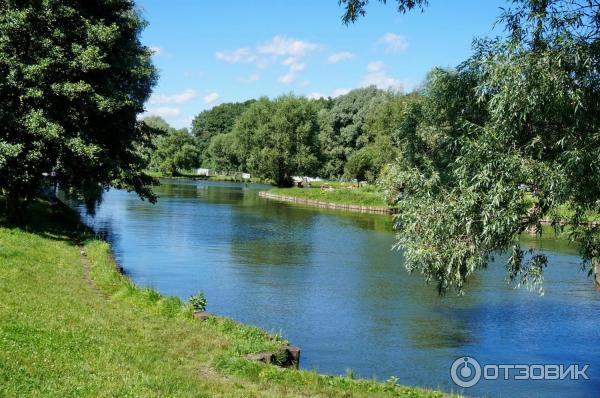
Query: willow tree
x=353 y=9
x=74 y=77
x=502 y=141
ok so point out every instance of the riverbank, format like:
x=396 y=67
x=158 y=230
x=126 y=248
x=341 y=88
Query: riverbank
x=311 y=197
x=68 y=329
x=336 y=194
x=218 y=178
x=368 y=200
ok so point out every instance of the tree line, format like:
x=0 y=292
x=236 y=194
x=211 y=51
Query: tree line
x=352 y=136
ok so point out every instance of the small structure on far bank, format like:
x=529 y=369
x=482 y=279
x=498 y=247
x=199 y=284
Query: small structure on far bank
x=203 y=172
x=304 y=181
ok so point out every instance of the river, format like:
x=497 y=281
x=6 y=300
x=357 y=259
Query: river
x=329 y=282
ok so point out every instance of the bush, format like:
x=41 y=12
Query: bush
x=198 y=301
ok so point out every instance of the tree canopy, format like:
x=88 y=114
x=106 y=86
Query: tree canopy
x=343 y=127
x=278 y=139
x=172 y=150
x=74 y=79
x=499 y=143
x=353 y=9
x=218 y=120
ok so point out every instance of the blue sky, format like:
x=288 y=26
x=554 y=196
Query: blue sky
x=209 y=52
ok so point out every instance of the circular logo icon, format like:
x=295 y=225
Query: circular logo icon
x=465 y=372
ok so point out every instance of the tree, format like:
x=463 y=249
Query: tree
x=360 y=164
x=279 y=138
x=503 y=140
x=215 y=121
x=356 y=8
x=159 y=128
x=222 y=153
x=158 y=123
x=383 y=125
x=175 y=151
x=343 y=127
x=74 y=78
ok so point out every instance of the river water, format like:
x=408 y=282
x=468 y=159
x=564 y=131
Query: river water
x=329 y=282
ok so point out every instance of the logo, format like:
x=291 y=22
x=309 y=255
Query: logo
x=465 y=372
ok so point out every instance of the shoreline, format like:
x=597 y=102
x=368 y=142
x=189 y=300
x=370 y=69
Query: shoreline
x=91 y=278
x=327 y=205
x=544 y=223
x=217 y=178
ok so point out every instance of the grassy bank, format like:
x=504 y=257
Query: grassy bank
x=67 y=330
x=192 y=176
x=366 y=196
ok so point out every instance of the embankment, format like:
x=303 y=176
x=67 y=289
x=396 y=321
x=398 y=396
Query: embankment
x=325 y=204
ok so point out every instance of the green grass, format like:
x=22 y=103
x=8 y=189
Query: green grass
x=340 y=194
x=65 y=335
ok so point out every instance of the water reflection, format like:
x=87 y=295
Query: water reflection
x=329 y=281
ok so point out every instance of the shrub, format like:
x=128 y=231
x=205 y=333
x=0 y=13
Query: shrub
x=198 y=301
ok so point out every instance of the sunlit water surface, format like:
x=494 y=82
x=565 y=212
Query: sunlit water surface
x=330 y=283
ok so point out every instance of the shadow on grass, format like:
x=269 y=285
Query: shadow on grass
x=56 y=222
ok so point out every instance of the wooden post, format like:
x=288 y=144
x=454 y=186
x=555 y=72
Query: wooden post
x=292 y=356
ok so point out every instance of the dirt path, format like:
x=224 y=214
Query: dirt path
x=87 y=269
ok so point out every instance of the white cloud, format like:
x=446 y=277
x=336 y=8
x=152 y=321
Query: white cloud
x=157 y=51
x=285 y=46
x=164 y=112
x=339 y=57
x=295 y=68
x=250 y=79
x=336 y=93
x=376 y=66
x=290 y=61
x=181 y=122
x=315 y=96
x=279 y=47
x=178 y=98
x=376 y=76
x=393 y=43
x=287 y=78
x=340 y=91
x=211 y=98
x=241 y=55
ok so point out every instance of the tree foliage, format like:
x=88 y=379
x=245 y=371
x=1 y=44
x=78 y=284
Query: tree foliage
x=175 y=150
x=223 y=153
x=218 y=120
x=278 y=139
x=74 y=78
x=343 y=127
x=498 y=143
x=353 y=9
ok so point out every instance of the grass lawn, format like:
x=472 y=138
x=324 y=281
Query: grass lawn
x=68 y=332
x=340 y=194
